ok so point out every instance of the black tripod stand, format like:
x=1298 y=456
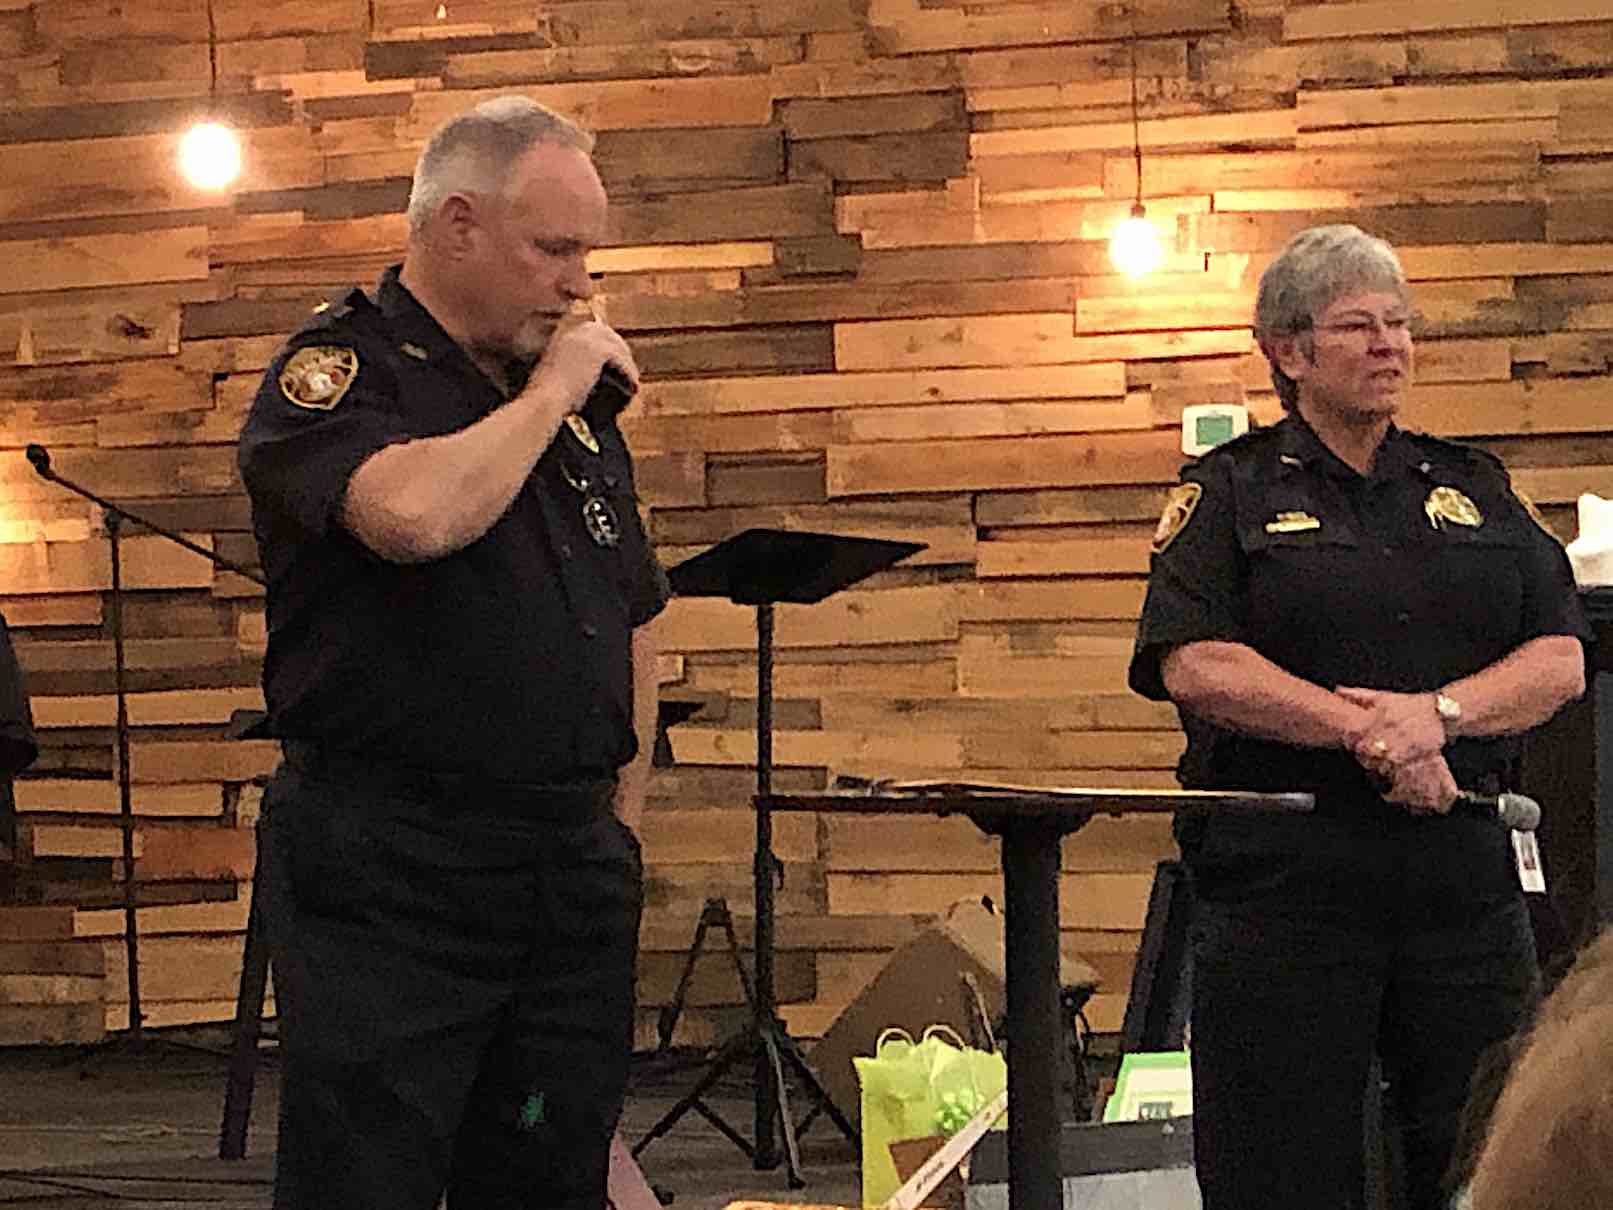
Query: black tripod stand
x=114 y=516
x=763 y=567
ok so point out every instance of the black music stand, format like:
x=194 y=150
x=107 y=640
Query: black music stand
x=763 y=567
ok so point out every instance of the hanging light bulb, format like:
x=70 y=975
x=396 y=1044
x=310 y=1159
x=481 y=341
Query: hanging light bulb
x=210 y=156
x=210 y=152
x=1135 y=247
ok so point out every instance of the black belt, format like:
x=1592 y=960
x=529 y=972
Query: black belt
x=566 y=802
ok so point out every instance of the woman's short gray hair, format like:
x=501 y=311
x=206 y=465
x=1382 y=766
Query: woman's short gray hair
x=1315 y=267
x=473 y=152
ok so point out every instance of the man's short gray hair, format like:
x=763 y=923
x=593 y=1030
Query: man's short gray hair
x=1317 y=266
x=473 y=152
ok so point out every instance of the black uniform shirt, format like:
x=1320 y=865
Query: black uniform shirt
x=509 y=659
x=1345 y=579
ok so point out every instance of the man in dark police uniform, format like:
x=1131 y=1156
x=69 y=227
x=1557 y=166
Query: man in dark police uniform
x=460 y=674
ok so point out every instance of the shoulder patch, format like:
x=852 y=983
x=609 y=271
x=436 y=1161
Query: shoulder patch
x=316 y=377
x=1535 y=515
x=1179 y=506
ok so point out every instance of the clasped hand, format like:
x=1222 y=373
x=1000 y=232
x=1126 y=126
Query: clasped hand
x=1402 y=741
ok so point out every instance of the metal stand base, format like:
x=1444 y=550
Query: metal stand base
x=771 y=1048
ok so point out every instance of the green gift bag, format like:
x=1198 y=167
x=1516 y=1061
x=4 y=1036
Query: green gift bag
x=914 y=1089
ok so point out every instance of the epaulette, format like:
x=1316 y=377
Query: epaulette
x=1244 y=443
x=335 y=309
x=1455 y=451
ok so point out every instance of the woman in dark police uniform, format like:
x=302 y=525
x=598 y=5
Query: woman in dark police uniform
x=1339 y=606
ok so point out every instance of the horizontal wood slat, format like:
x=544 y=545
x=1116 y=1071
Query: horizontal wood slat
x=859 y=249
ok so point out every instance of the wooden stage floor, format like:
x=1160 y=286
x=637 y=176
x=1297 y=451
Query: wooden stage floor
x=94 y=1129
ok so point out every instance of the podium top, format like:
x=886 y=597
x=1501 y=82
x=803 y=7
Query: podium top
x=974 y=798
x=764 y=566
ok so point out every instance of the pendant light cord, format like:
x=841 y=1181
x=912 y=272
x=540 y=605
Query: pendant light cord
x=1136 y=122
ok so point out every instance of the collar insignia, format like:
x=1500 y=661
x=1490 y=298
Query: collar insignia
x=580 y=430
x=1446 y=504
x=318 y=376
x=410 y=349
x=1292 y=523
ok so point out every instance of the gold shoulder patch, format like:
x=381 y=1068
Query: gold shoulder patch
x=1533 y=510
x=318 y=376
x=1184 y=498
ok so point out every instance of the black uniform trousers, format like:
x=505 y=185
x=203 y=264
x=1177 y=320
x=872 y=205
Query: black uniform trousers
x=454 y=975
x=1319 y=941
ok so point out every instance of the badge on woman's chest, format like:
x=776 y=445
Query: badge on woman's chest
x=1446 y=505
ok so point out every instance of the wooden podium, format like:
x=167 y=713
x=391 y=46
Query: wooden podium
x=1032 y=824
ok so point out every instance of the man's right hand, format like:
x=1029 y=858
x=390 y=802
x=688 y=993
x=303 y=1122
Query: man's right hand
x=576 y=355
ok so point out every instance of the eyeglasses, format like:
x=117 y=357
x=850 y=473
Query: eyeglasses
x=1363 y=327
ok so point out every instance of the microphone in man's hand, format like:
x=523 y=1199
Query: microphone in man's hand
x=40 y=457
x=610 y=394
x=1517 y=811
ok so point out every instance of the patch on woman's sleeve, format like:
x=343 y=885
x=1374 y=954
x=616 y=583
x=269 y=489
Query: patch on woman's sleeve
x=1184 y=498
x=318 y=376
x=1534 y=512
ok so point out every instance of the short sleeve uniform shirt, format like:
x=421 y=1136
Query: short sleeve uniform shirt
x=1422 y=572
x=508 y=659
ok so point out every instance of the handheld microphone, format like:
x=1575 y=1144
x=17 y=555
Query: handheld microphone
x=610 y=394
x=1517 y=811
x=40 y=457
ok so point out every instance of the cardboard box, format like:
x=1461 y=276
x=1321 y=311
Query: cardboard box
x=925 y=983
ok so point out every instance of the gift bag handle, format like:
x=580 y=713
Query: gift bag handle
x=941 y=1027
x=892 y=1031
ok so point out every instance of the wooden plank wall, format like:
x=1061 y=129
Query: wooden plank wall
x=858 y=245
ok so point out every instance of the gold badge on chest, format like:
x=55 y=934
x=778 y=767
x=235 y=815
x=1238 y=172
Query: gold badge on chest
x=1447 y=505
x=580 y=430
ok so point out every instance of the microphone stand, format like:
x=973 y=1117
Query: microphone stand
x=114 y=516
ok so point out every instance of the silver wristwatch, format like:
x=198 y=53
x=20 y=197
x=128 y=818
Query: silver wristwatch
x=1449 y=711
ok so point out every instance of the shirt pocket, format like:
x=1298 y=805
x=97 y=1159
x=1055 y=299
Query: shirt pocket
x=1303 y=586
x=1276 y=536
x=1472 y=578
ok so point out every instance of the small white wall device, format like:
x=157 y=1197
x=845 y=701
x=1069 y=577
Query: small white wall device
x=1210 y=424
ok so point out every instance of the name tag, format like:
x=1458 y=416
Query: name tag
x=1531 y=873
x=1292 y=523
